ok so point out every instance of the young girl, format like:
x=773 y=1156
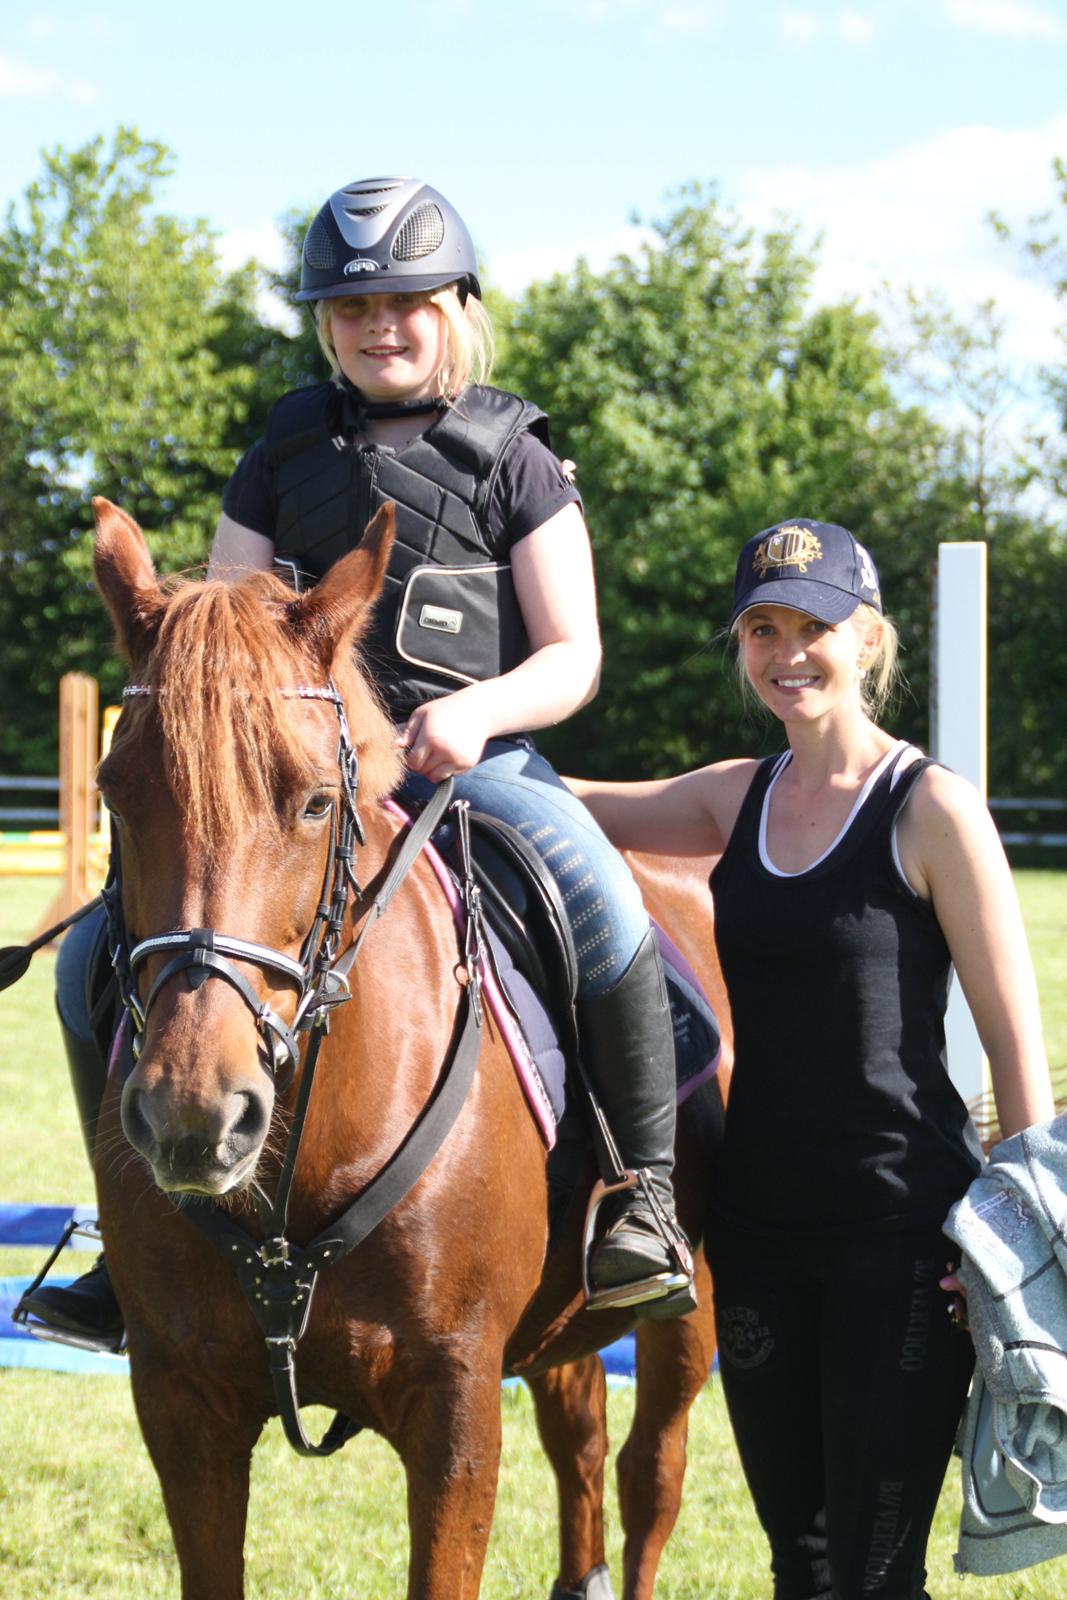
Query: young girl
x=486 y=631
x=854 y=874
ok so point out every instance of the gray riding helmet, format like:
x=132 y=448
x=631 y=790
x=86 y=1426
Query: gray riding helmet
x=386 y=234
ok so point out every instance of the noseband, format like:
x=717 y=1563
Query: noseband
x=203 y=953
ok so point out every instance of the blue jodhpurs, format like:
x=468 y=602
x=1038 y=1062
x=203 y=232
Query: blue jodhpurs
x=607 y=917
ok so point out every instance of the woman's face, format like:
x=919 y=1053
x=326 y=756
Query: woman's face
x=802 y=668
x=391 y=346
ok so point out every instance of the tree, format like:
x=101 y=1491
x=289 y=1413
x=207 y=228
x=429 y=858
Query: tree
x=130 y=366
x=702 y=401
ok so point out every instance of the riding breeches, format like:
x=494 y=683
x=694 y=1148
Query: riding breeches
x=844 y=1378
x=607 y=917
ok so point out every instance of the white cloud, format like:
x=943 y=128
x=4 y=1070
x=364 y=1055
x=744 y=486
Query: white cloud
x=1006 y=19
x=915 y=219
x=43 y=26
x=798 y=27
x=18 y=80
x=265 y=245
x=918 y=218
x=804 y=27
x=855 y=27
x=673 y=16
x=512 y=270
x=241 y=244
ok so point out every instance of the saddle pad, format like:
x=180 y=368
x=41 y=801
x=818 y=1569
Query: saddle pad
x=532 y=1035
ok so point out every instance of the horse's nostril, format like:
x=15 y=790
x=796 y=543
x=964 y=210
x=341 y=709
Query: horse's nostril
x=135 y=1124
x=251 y=1124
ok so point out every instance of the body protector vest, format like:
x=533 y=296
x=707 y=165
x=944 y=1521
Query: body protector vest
x=448 y=614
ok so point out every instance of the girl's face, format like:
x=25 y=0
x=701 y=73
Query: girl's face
x=802 y=668
x=391 y=346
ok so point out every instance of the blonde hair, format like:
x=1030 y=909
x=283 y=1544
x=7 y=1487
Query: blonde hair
x=881 y=669
x=469 y=345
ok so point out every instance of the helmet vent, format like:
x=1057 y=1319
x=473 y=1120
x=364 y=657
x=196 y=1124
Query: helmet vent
x=364 y=211
x=319 y=252
x=370 y=188
x=421 y=235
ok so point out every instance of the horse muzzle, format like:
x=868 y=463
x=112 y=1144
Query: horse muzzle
x=207 y=1144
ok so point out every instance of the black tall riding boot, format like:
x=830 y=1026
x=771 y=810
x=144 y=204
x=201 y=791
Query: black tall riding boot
x=86 y=1308
x=627 y=1045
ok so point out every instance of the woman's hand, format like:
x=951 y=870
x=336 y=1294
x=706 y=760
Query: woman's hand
x=445 y=736
x=957 y=1306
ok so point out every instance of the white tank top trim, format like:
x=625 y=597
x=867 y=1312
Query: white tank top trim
x=891 y=755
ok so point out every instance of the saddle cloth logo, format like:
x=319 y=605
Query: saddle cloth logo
x=788 y=547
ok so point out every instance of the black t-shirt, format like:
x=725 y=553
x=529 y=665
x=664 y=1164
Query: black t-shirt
x=530 y=487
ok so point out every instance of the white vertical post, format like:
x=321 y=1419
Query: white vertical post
x=958 y=737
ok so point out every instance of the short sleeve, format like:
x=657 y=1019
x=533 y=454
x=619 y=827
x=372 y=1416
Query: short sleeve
x=530 y=487
x=248 y=497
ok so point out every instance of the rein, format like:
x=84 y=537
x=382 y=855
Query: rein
x=277 y=1277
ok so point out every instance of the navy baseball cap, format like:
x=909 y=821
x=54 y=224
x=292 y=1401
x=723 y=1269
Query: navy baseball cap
x=817 y=567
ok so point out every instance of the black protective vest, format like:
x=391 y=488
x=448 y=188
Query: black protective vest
x=448 y=613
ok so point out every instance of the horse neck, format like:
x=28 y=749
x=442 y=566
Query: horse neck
x=386 y=1046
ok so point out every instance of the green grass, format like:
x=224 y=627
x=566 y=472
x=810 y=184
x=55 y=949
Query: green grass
x=80 y=1512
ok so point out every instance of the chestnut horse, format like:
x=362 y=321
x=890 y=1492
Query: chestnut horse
x=226 y=789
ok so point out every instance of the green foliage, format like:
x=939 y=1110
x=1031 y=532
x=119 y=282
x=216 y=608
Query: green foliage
x=702 y=401
x=130 y=366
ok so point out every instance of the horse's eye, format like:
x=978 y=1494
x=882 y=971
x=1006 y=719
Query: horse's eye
x=318 y=805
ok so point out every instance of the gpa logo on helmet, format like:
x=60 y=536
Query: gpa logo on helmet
x=360 y=264
x=787 y=547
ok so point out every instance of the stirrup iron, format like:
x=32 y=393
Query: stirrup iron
x=641 y=1291
x=103 y=1344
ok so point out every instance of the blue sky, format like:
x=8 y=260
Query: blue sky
x=889 y=127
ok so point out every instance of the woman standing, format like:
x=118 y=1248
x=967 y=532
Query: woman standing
x=854 y=875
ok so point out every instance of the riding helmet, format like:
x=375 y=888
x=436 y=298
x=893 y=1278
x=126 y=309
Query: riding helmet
x=381 y=234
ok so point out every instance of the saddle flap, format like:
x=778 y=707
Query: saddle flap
x=523 y=904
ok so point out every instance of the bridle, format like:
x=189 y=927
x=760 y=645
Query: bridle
x=320 y=974
x=278 y=1278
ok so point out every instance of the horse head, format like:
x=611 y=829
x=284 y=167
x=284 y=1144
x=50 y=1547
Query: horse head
x=229 y=779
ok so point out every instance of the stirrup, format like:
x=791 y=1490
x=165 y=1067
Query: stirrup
x=641 y=1290
x=103 y=1344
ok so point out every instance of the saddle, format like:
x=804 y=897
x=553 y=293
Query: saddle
x=536 y=968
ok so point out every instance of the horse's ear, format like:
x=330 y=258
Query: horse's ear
x=126 y=578
x=335 y=613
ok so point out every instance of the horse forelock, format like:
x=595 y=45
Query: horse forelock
x=235 y=743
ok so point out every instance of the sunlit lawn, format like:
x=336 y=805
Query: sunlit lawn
x=80 y=1513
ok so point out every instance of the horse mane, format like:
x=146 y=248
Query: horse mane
x=233 y=739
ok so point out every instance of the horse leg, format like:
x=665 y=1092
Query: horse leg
x=450 y=1447
x=571 y=1408
x=673 y=1361
x=201 y=1447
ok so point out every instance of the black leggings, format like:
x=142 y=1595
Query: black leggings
x=845 y=1378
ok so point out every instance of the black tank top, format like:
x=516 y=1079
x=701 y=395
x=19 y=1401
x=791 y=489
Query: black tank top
x=841 y=1113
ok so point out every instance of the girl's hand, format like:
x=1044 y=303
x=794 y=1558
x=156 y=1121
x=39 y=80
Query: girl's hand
x=444 y=737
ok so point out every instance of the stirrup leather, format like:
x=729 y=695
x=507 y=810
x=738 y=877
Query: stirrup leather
x=642 y=1290
x=103 y=1344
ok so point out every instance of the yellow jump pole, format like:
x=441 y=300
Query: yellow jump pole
x=78 y=756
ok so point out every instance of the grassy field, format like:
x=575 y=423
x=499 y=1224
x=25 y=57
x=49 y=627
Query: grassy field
x=80 y=1513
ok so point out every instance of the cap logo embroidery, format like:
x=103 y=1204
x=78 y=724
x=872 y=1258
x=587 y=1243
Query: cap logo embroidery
x=788 y=547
